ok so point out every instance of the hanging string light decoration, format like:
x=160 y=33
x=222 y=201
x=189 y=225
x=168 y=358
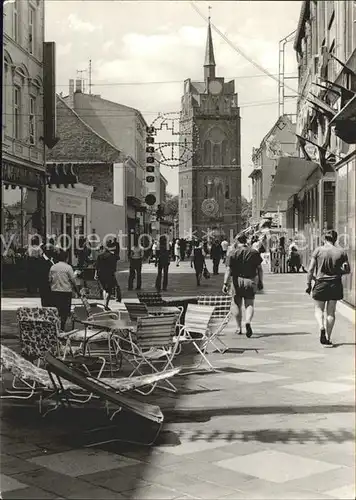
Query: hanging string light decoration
x=178 y=152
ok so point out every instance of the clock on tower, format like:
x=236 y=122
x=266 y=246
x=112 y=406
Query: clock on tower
x=215 y=87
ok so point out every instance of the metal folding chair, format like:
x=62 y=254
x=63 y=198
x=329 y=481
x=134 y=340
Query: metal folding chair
x=219 y=320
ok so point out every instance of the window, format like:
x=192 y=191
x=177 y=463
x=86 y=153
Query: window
x=216 y=154
x=15 y=22
x=224 y=153
x=227 y=190
x=207 y=153
x=32 y=120
x=181 y=193
x=17 y=112
x=31 y=30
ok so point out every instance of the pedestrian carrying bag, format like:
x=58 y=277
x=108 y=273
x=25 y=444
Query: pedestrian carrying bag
x=206 y=273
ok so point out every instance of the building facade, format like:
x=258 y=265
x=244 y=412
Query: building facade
x=320 y=185
x=22 y=122
x=125 y=128
x=280 y=141
x=95 y=203
x=28 y=125
x=210 y=177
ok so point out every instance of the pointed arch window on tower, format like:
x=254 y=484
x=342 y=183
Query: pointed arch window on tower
x=216 y=154
x=224 y=153
x=207 y=152
x=227 y=189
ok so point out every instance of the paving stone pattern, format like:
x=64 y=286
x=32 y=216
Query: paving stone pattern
x=276 y=421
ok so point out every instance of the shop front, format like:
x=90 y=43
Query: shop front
x=69 y=216
x=22 y=217
x=345 y=219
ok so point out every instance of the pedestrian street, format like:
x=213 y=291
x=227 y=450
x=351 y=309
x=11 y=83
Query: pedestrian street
x=275 y=421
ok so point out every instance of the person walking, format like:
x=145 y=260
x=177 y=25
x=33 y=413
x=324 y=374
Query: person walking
x=105 y=272
x=224 y=247
x=216 y=254
x=62 y=283
x=44 y=265
x=327 y=266
x=246 y=272
x=198 y=260
x=154 y=252
x=163 y=261
x=33 y=256
x=177 y=252
x=136 y=257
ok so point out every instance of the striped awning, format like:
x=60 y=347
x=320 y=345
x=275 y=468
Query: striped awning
x=61 y=174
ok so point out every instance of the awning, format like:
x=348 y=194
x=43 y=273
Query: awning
x=61 y=174
x=291 y=175
x=345 y=122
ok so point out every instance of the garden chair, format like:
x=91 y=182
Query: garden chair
x=219 y=320
x=59 y=372
x=36 y=381
x=136 y=310
x=196 y=331
x=151 y=298
x=40 y=333
x=155 y=341
x=101 y=338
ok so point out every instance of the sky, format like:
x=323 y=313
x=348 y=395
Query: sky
x=142 y=51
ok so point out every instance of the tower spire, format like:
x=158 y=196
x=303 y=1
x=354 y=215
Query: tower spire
x=209 y=63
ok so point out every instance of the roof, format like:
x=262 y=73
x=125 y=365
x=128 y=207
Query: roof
x=75 y=136
x=209 y=49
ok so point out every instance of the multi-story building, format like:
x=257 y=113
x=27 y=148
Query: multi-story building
x=95 y=205
x=28 y=123
x=280 y=141
x=125 y=128
x=319 y=187
x=210 y=178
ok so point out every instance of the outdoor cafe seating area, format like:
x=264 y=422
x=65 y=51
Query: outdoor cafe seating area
x=114 y=358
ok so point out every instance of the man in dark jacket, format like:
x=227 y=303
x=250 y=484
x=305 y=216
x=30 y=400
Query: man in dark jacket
x=105 y=271
x=216 y=255
x=163 y=258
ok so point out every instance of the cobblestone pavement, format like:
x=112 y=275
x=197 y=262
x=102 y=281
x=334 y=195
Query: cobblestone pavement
x=277 y=420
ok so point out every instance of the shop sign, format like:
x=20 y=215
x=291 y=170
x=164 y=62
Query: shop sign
x=70 y=204
x=20 y=175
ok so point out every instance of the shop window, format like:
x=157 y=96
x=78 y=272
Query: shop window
x=12 y=216
x=56 y=225
x=30 y=210
x=17 y=112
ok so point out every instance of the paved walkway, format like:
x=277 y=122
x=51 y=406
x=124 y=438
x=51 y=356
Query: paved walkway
x=278 y=421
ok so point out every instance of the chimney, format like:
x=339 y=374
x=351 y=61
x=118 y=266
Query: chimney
x=71 y=94
x=78 y=85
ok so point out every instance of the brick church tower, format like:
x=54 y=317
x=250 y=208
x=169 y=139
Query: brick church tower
x=210 y=177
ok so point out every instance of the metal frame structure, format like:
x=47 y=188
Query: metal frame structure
x=281 y=73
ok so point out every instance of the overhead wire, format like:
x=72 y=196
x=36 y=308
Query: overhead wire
x=239 y=50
